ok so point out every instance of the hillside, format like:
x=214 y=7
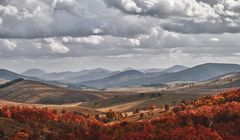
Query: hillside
x=9 y=127
x=69 y=107
x=207 y=71
x=36 y=92
x=208 y=118
x=9 y=75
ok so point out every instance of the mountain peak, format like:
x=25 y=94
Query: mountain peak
x=34 y=72
x=175 y=68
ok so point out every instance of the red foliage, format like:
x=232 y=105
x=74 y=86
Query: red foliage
x=209 y=118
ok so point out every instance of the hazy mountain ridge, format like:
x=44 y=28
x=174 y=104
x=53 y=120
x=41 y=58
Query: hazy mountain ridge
x=9 y=75
x=34 y=72
x=75 y=77
x=114 y=80
x=102 y=78
x=175 y=68
x=196 y=73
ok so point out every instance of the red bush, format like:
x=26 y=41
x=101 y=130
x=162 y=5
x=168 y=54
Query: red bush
x=209 y=118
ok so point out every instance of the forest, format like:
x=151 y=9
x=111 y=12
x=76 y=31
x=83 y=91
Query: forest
x=214 y=117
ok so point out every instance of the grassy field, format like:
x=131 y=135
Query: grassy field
x=132 y=102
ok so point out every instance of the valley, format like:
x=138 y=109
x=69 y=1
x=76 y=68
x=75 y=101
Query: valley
x=111 y=94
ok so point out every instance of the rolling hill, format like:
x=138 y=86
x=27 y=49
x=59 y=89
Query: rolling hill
x=36 y=92
x=9 y=75
x=207 y=118
x=229 y=80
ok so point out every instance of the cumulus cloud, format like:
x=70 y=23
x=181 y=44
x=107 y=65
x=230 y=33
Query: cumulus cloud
x=214 y=39
x=88 y=40
x=187 y=16
x=132 y=42
x=82 y=18
x=163 y=8
x=54 y=46
x=119 y=33
x=7 y=45
x=55 y=18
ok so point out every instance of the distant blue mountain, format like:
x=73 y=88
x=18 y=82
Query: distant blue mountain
x=197 y=73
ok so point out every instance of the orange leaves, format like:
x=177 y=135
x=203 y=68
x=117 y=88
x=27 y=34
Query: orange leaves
x=22 y=135
x=6 y=112
x=209 y=118
x=194 y=133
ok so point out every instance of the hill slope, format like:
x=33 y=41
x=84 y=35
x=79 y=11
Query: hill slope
x=208 y=118
x=9 y=75
x=36 y=92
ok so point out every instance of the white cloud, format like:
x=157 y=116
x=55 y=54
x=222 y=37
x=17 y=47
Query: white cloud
x=188 y=16
x=214 y=39
x=8 y=10
x=54 y=46
x=56 y=18
x=1 y=21
x=170 y=35
x=7 y=45
x=163 y=8
x=130 y=6
x=97 y=31
x=134 y=31
x=95 y=40
x=132 y=42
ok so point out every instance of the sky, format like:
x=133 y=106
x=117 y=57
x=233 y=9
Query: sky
x=71 y=35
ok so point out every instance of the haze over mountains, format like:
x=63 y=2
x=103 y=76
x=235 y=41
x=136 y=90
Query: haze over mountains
x=119 y=86
x=102 y=78
x=197 y=73
x=34 y=72
x=175 y=68
x=70 y=77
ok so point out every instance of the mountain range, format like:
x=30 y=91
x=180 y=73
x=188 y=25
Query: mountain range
x=9 y=75
x=102 y=78
x=69 y=76
x=196 y=73
x=34 y=72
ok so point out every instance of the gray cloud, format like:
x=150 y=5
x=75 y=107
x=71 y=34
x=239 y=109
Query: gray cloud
x=117 y=33
x=187 y=16
x=51 y=18
x=163 y=8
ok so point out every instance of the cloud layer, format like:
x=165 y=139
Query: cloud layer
x=118 y=33
x=187 y=16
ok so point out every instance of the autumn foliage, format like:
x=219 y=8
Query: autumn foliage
x=208 y=118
